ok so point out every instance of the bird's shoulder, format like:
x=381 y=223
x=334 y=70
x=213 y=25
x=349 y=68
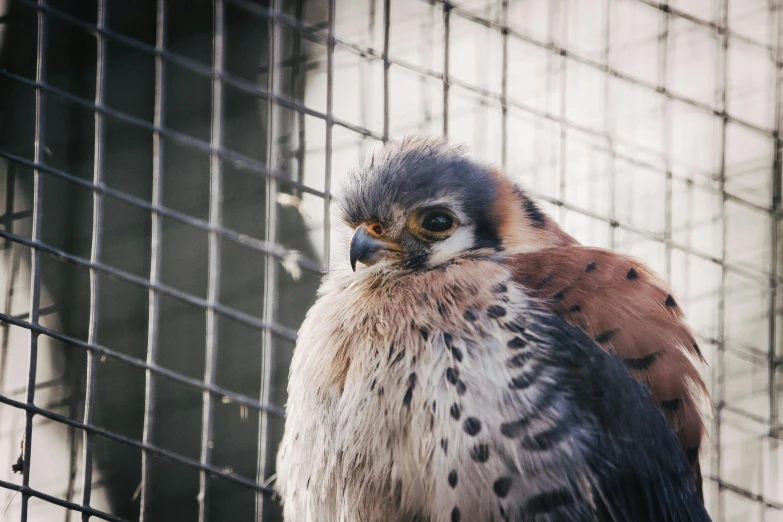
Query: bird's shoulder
x=631 y=312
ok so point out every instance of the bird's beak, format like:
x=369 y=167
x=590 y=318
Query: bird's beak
x=367 y=248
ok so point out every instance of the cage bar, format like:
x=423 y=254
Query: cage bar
x=35 y=263
x=213 y=289
x=156 y=239
x=95 y=253
x=386 y=65
x=322 y=40
x=265 y=452
x=445 y=76
x=722 y=15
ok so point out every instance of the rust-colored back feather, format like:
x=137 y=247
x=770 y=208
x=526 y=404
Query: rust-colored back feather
x=629 y=311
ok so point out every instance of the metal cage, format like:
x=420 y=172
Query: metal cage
x=167 y=169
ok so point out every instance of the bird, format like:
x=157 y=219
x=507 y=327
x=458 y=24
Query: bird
x=436 y=379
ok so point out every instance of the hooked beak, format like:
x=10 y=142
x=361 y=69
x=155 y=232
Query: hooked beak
x=367 y=248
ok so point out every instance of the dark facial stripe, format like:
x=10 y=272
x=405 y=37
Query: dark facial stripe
x=486 y=235
x=537 y=218
x=549 y=501
x=641 y=363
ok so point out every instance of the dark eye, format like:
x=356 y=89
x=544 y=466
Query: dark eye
x=437 y=222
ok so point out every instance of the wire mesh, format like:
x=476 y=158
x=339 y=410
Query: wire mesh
x=166 y=216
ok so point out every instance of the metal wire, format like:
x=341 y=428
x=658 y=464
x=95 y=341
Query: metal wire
x=213 y=285
x=608 y=125
x=776 y=430
x=273 y=171
x=504 y=87
x=160 y=287
x=386 y=65
x=330 y=43
x=150 y=448
x=155 y=262
x=95 y=252
x=446 y=58
x=663 y=54
x=223 y=393
x=35 y=264
x=720 y=504
x=265 y=451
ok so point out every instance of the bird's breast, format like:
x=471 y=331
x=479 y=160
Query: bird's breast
x=378 y=380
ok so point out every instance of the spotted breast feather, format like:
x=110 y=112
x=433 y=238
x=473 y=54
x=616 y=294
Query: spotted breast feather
x=450 y=395
x=580 y=438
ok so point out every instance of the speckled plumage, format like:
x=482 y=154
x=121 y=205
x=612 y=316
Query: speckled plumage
x=432 y=387
x=629 y=311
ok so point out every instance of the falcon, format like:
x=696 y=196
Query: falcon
x=472 y=362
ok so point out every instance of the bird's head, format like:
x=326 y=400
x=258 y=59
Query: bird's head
x=418 y=203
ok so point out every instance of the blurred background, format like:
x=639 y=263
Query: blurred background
x=166 y=171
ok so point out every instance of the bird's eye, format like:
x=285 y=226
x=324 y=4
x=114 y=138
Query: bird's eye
x=432 y=224
x=437 y=222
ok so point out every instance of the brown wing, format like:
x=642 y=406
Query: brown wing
x=629 y=311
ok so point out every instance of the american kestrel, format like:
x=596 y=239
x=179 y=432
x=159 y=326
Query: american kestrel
x=458 y=374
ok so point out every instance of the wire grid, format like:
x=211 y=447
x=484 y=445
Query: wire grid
x=355 y=54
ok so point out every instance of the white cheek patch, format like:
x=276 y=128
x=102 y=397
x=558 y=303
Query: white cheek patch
x=457 y=243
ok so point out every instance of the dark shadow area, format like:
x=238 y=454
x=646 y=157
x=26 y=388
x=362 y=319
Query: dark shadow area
x=123 y=322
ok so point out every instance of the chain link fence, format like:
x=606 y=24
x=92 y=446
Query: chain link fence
x=167 y=169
